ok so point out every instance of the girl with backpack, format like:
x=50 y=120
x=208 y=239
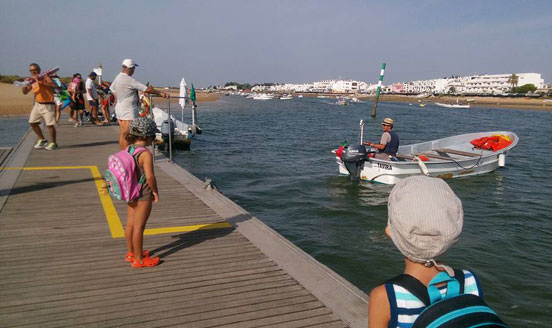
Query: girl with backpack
x=425 y=219
x=142 y=134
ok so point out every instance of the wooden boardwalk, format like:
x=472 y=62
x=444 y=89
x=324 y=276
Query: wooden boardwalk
x=63 y=252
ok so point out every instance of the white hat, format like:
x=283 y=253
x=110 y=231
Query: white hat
x=425 y=217
x=129 y=63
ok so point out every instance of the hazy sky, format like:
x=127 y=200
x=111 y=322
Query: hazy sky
x=211 y=42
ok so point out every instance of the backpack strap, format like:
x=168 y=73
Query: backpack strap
x=413 y=285
x=418 y=289
x=135 y=151
x=459 y=275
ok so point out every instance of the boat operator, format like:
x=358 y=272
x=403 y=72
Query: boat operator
x=389 y=143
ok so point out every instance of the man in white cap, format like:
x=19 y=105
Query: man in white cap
x=389 y=143
x=125 y=89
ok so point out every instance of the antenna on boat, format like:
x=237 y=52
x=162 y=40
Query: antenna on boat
x=375 y=108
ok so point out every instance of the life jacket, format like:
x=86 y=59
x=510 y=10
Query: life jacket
x=458 y=303
x=493 y=143
x=392 y=147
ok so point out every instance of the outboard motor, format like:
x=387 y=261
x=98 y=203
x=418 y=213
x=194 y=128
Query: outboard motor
x=165 y=130
x=354 y=158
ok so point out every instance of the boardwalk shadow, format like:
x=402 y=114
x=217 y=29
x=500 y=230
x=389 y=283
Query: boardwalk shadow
x=41 y=186
x=93 y=144
x=185 y=240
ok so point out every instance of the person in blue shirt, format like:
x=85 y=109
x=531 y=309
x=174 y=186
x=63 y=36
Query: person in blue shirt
x=389 y=143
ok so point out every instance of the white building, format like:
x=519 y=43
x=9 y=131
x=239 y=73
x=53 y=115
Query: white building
x=474 y=84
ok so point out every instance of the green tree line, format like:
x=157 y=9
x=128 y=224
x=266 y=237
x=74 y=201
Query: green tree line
x=12 y=78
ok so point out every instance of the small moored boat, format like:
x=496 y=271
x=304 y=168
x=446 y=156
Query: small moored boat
x=452 y=157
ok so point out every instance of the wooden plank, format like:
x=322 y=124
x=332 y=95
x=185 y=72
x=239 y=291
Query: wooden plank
x=403 y=156
x=456 y=152
x=430 y=155
x=4 y=153
x=67 y=270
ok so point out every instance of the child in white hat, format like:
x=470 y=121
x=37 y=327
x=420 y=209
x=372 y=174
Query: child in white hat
x=425 y=219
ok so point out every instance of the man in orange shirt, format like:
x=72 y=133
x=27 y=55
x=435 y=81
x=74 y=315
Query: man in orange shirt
x=44 y=107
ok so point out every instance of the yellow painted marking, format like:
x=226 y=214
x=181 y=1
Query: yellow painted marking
x=111 y=215
x=218 y=225
x=38 y=168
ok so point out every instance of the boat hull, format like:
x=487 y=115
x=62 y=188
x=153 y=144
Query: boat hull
x=391 y=172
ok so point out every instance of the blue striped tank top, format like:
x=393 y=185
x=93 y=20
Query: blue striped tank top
x=405 y=307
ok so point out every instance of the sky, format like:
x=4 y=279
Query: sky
x=281 y=41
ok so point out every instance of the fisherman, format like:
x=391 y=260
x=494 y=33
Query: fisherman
x=43 y=108
x=389 y=143
x=125 y=89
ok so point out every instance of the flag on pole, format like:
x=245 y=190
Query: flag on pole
x=193 y=95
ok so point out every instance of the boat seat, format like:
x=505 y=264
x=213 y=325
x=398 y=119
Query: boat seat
x=402 y=156
x=430 y=155
x=456 y=152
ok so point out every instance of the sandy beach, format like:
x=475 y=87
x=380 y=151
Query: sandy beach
x=14 y=103
x=493 y=102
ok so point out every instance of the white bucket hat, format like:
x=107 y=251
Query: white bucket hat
x=425 y=218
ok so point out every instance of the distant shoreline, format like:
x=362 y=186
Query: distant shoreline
x=493 y=102
x=13 y=103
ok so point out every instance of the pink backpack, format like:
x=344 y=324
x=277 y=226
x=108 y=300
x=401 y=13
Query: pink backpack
x=122 y=176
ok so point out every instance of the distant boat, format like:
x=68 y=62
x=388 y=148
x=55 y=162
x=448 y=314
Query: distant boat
x=300 y=96
x=286 y=97
x=457 y=105
x=422 y=105
x=342 y=102
x=321 y=96
x=263 y=96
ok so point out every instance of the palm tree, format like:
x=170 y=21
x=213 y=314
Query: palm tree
x=513 y=80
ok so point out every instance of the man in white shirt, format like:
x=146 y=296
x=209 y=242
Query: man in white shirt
x=125 y=89
x=92 y=97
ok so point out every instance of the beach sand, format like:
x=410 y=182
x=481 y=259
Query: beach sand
x=493 y=102
x=14 y=103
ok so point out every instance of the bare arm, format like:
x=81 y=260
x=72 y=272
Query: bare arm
x=153 y=91
x=377 y=146
x=26 y=89
x=379 y=311
x=146 y=161
x=47 y=81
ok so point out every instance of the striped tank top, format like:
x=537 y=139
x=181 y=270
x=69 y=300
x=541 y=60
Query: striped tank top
x=405 y=307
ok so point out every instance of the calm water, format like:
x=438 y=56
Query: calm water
x=273 y=158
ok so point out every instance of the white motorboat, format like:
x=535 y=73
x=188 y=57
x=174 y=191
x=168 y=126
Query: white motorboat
x=457 y=105
x=450 y=157
x=263 y=96
x=342 y=102
x=183 y=132
x=286 y=97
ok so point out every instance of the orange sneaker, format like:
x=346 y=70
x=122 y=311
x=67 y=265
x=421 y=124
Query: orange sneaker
x=146 y=262
x=130 y=256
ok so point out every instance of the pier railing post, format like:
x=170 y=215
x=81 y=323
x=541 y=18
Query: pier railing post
x=170 y=127
x=151 y=112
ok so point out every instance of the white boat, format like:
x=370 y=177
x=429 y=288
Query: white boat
x=457 y=105
x=183 y=132
x=450 y=157
x=300 y=96
x=286 y=97
x=263 y=96
x=342 y=102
